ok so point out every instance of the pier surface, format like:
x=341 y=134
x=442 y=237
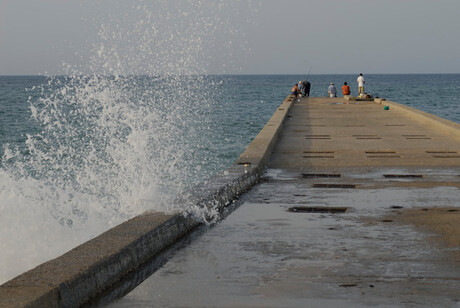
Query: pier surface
x=359 y=207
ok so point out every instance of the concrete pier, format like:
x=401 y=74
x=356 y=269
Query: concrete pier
x=333 y=133
x=359 y=207
x=331 y=222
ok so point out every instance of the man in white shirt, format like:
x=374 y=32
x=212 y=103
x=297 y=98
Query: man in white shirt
x=332 y=91
x=301 y=88
x=361 y=83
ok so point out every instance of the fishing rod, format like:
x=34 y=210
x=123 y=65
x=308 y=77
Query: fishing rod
x=309 y=71
x=306 y=89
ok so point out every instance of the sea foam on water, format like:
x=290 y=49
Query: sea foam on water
x=124 y=135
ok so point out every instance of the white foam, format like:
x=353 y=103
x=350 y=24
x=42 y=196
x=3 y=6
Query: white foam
x=113 y=144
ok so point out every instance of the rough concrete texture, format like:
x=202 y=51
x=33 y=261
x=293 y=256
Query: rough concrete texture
x=331 y=132
x=445 y=127
x=380 y=164
x=86 y=271
x=79 y=274
x=441 y=222
x=349 y=98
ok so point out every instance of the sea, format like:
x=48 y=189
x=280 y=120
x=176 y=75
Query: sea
x=81 y=154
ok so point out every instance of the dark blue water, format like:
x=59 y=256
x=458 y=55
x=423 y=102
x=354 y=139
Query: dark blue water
x=14 y=108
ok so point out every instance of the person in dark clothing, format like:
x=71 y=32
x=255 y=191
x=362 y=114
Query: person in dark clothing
x=306 y=88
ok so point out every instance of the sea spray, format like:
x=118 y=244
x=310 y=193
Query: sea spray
x=124 y=135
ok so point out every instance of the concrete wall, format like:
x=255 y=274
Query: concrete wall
x=87 y=270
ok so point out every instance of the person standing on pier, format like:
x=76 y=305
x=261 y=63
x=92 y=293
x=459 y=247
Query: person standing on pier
x=306 y=88
x=361 y=83
x=346 y=89
x=332 y=91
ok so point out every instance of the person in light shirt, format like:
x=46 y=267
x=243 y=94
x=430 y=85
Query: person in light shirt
x=300 y=87
x=332 y=90
x=361 y=83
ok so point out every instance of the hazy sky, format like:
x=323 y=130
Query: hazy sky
x=272 y=36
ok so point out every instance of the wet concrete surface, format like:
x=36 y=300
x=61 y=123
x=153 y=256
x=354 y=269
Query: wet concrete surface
x=331 y=154
x=263 y=255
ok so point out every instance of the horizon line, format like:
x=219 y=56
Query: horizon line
x=225 y=74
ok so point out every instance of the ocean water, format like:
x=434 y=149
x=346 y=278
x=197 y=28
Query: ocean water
x=81 y=154
x=124 y=132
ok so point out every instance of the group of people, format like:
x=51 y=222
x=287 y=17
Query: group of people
x=332 y=90
x=303 y=88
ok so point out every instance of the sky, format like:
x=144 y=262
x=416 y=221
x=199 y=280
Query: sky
x=251 y=37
